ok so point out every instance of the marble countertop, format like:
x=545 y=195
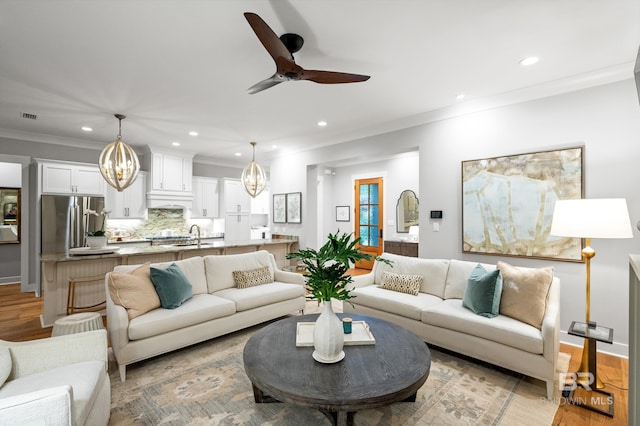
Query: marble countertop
x=115 y=242
x=129 y=251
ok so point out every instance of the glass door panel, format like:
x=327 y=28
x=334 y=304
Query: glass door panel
x=369 y=218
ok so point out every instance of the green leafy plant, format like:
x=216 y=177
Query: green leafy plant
x=326 y=268
x=99 y=233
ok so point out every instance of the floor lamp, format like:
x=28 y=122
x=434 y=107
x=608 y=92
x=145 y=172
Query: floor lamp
x=591 y=218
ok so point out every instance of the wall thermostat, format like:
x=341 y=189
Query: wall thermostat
x=436 y=214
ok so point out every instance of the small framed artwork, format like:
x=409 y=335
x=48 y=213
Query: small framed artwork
x=342 y=214
x=279 y=208
x=294 y=207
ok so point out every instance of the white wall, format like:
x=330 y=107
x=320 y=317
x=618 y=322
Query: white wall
x=14 y=258
x=399 y=173
x=287 y=176
x=10 y=175
x=604 y=119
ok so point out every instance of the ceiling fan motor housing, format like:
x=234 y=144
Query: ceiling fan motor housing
x=293 y=42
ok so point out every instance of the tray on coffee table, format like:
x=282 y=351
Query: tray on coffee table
x=360 y=334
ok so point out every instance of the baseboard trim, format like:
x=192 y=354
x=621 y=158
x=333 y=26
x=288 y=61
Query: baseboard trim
x=615 y=349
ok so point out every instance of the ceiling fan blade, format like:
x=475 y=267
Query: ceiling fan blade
x=331 y=77
x=265 y=84
x=268 y=38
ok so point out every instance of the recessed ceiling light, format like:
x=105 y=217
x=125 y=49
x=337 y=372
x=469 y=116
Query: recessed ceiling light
x=175 y=143
x=193 y=133
x=322 y=123
x=87 y=129
x=460 y=96
x=274 y=146
x=238 y=154
x=529 y=61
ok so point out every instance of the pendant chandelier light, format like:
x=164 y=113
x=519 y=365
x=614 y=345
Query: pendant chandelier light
x=118 y=162
x=254 y=178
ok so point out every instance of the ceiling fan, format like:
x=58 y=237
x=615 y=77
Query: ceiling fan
x=281 y=50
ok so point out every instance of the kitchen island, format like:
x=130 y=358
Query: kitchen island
x=58 y=269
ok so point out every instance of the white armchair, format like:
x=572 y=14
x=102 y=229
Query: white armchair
x=56 y=381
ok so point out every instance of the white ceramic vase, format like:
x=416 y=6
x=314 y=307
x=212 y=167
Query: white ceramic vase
x=96 y=242
x=328 y=336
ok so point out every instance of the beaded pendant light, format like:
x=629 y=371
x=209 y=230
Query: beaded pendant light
x=254 y=178
x=118 y=162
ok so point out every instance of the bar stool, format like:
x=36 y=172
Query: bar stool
x=71 y=295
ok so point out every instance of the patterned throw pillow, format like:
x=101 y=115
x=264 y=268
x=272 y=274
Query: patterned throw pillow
x=254 y=277
x=409 y=284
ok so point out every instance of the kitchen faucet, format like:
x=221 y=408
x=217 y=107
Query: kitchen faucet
x=198 y=229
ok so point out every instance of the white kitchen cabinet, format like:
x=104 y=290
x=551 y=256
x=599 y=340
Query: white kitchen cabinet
x=260 y=204
x=237 y=207
x=205 y=197
x=236 y=198
x=237 y=227
x=171 y=173
x=71 y=178
x=131 y=203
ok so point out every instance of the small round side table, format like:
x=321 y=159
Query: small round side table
x=77 y=323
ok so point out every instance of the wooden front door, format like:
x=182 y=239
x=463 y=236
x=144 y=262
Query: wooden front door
x=369 y=220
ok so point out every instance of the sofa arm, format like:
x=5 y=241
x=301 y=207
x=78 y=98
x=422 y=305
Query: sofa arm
x=117 y=321
x=39 y=355
x=289 y=277
x=50 y=406
x=551 y=324
x=118 y=325
x=362 y=280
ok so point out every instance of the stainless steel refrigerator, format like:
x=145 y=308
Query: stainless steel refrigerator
x=65 y=220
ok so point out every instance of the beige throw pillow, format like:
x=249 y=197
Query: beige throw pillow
x=403 y=283
x=253 y=277
x=134 y=291
x=524 y=293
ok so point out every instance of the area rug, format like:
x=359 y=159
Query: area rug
x=205 y=384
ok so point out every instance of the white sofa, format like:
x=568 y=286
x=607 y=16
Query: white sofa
x=217 y=307
x=61 y=380
x=438 y=317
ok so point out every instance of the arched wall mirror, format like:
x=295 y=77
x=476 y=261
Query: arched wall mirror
x=406 y=211
x=10 y=219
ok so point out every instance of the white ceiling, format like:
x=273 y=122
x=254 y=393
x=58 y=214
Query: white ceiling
x=177 y=66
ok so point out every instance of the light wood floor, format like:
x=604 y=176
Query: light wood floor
x=20 y=321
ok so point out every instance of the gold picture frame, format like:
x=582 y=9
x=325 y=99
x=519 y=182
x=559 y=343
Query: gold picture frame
x=508 y=202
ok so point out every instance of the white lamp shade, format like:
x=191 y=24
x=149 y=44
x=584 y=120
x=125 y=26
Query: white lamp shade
x=591 y=218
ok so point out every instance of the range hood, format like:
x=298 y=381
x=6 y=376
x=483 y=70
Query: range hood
x=169 y=201
x=170 y=180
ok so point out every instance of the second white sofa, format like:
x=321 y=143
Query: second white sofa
x=437 y=315
x=217 y=306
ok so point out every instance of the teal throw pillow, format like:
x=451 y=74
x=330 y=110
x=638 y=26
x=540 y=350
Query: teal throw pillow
x=482 y=295
x=172 y=286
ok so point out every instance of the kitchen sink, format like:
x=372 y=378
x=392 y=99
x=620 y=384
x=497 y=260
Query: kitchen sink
x=192 y=244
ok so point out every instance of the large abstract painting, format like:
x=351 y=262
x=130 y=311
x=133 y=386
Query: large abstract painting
x=508 y=202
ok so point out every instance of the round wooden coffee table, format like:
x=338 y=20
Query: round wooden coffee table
x=370 y=376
